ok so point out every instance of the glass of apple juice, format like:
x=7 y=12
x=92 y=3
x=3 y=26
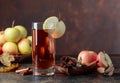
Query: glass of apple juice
x=43 y=50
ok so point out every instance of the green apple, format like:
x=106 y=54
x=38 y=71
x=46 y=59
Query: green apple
x=10 y=47
x=12 y=35
x=24 y=47
x=30 y=38
x=22 y=30
x=2 y=38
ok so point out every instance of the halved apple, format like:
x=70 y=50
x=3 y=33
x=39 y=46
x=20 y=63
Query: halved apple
x=104 y=60
x=58 y=27
x=50 y=22
x=108 y=59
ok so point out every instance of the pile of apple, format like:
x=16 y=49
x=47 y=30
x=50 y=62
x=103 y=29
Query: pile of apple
x=15 y=41
x=103 y=60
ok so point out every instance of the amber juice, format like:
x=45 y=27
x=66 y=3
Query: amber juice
x=43 y=55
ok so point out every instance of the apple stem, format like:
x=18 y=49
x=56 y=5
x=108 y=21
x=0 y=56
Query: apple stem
x=59 y=16
x=13 y=22
x=104 y=52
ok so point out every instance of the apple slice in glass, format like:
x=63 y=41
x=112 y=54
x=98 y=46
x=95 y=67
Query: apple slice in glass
x=57 y=26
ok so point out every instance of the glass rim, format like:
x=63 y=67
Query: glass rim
x=37 y=25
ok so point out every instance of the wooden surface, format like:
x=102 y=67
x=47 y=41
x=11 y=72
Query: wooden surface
x=90 y=24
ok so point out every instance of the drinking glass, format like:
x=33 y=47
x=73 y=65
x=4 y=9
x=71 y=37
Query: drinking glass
x=43 y=50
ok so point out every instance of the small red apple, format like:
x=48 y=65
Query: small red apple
x=86 y=57
x=10 y=47
x=1 y=50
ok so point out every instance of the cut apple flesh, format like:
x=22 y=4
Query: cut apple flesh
x=109 y=61
x=57 y=26
x=50 y=23
x=102 y=60
x=101 y=70
x=59 y=30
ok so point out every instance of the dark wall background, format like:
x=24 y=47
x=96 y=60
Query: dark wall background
x=91 y=24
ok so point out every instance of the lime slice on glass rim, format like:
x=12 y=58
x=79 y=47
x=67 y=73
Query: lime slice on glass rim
x=57 y=26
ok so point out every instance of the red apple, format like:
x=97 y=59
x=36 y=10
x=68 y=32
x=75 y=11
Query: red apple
x=10 y=48
x=1 y=50
x=103 y=60
x=86 y=57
